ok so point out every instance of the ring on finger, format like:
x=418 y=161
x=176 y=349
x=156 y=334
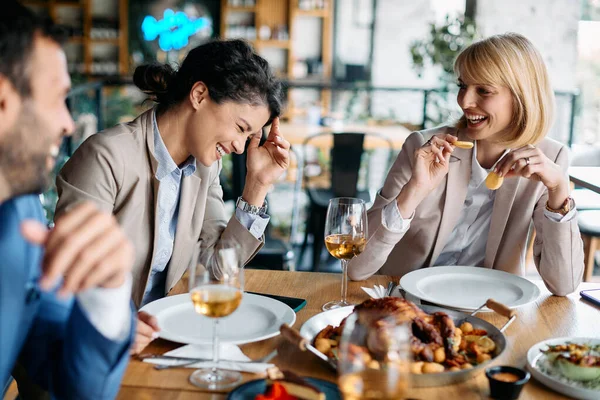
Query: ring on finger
x=526 y=160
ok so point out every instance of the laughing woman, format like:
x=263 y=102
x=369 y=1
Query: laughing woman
x=159 y=174
x=435 y=207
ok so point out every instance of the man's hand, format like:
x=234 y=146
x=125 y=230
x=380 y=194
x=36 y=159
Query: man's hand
x=87 y=248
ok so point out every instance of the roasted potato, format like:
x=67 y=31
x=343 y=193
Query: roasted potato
x=323 y=345
x=416 y=367
x=463 y=144
x=466 y=327
x=483 y=357
x=493 y=181
x=432 y=368
x=439 y=355
x=484 y=343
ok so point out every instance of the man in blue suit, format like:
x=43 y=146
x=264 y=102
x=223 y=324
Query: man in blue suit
x=65 y=312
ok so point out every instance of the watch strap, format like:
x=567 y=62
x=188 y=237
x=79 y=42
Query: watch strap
x=249 y=208
x=564 y=208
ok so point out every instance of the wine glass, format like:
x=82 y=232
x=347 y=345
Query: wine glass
x=374 y=357
x=345 y=237
x=216 y=287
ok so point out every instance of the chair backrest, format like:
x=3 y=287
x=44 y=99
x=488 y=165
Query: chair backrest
x=347 y=149
x=346 y=155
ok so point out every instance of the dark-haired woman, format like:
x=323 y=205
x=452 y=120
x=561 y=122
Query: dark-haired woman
x=159 y=174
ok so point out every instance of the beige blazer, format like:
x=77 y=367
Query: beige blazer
x=116 y=169
x=557 y=248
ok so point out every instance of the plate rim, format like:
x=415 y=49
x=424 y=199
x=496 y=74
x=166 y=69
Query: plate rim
x=309 y=378
x=532 y=358
x=463 y=269
x=157 y=305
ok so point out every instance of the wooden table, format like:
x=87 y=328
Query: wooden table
x=296 y=133
x=548 y=317
x=587 y=177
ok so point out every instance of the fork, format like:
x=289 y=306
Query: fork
x=390 y=288
x=159 y=367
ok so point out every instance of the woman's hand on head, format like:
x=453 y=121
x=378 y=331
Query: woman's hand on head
x=268 y=162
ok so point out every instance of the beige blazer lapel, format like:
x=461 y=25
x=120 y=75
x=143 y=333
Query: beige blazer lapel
x=184 y=239
x=147 y=127
x=505 y=196
x=457 y=183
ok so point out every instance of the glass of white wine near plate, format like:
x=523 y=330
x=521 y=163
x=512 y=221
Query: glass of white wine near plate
x=374 y=357
x=216 y=287
x=345 y=237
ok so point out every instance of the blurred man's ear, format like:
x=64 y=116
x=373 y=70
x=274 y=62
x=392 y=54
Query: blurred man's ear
x=10 y=105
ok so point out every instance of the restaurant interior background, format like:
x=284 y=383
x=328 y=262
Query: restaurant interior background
x=382 y=67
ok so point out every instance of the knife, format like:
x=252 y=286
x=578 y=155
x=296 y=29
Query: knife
x=185 y=359
x=294 y=337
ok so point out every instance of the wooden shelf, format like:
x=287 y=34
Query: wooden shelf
x=278 y=14
x=67 y=4
x=36 y=3
x=313 y=13
x=240 y=9
x=114 y=41
x=282 y=44
x=76 y=39
x=83 y=38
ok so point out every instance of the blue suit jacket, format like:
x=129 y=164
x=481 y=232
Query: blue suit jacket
x=60 y=349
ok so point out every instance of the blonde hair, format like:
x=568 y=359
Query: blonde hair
x=511 y=60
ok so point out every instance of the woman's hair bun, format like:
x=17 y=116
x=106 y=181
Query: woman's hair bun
x=154 y=80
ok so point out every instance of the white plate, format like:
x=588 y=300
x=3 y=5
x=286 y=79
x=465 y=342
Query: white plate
x=257 y=318
x=467 y=288
x=536 y=364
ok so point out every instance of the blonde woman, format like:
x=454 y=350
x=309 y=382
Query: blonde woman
x=435 y=207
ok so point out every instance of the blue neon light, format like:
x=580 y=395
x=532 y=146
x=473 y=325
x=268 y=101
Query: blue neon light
x=174 y=30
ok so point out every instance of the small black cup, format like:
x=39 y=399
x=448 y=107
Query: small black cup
x=506 y=390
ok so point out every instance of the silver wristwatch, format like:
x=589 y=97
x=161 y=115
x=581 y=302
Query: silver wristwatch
x=249 y=208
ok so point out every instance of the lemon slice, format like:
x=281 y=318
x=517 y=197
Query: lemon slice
x=577 y=372
x=493 y=181
x=463 y=145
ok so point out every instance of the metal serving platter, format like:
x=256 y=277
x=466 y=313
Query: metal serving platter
x=315 y=324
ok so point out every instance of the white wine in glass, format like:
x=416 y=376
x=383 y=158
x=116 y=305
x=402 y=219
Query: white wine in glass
x=216 y=287
x=216 y=301
x=345 y=237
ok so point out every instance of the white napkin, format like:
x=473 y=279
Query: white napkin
x=228 y=354
x=377 y=292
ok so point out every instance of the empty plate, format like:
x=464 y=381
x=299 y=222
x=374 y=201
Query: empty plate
x=467 y=288
x=257 y=318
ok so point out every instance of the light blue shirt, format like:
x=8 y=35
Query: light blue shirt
x=170 y=176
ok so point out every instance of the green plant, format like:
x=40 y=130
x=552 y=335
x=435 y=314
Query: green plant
x=442 y=45
x=440 y=48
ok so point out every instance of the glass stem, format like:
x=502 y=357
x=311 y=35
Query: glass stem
x=344 y=279
x=215 y=346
